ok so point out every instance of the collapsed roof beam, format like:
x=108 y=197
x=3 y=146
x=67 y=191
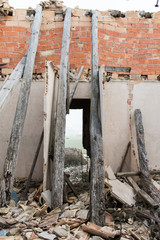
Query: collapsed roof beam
x=97 y=205
x=59 y=141
x=19 y=119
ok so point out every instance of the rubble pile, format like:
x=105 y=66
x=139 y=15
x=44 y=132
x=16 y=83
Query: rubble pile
x=127 y=215
x=5 y=8
x=51 y=4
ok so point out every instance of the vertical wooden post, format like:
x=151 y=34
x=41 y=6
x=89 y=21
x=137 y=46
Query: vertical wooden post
x=22 y=104
x=59 y=141
x=146 y=180
x=97 y=164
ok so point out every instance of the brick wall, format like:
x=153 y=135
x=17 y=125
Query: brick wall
x=130 y=41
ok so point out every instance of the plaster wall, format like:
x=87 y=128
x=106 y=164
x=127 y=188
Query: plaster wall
x=147 y=98
x=31 y=132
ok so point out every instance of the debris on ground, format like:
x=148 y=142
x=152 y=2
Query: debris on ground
x=34 y=219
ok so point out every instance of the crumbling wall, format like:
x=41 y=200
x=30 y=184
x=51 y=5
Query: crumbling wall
x=130 y=39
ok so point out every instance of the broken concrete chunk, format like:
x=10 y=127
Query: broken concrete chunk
x=60 y=231
x=46 y=235
x=4 y=210
x=96 y=238
x=70 y=213
x=13 y=231
x=82 y=214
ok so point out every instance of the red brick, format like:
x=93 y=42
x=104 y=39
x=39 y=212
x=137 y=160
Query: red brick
x=5 y=28
x=85 y=39
x=2 y=23
x=11 y=34
x=19 y=29
x=58 y=30
x=129 y=56
x=13 y=44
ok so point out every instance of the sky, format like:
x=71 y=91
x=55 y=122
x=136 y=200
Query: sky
x=123 y=5
x=74 y=123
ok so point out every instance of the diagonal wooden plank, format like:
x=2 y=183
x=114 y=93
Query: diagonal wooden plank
x=97 y=204
x=11 y=82
x=59 y=141
x=19 y=119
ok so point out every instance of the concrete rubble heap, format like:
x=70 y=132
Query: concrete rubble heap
x=33 y=218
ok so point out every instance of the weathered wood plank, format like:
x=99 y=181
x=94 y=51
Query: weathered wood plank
x=101 y=92
x=117 y=69
x=17 y=128
x=142 y=193
x=50 y=105
x=124 y=158
x=11 y=82
x=75 y=84
x=68 y=90
x=97 y=205
x=129 y=174
x=146 y=180
x=59 y=141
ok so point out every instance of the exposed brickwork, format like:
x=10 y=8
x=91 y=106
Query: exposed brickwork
x=131 y=41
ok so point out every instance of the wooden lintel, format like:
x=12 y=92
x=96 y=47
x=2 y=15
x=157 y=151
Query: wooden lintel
x=117 y=69
x=59 y=141
x=97 y=205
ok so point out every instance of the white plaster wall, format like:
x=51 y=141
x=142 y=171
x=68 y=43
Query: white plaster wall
x=146 y=97
x=31 y=133
x=116 y=132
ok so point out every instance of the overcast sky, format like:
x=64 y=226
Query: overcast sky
x=123 y=5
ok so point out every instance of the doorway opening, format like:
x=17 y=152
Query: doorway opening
x=77 y=142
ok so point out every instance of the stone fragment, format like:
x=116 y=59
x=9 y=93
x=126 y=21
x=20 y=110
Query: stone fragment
x=70 y=213
x=13 y=231
x=82 y=214
x=4 y=210
x=96 y=238
x=60 y=231
x=46 y=235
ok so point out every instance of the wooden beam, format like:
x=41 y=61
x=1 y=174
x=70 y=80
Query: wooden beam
x=117 y=69
x=75 y=85
x=59 y=141
x=50 y=103
x=129 y=174
x=11 y=82
x=142 y=193
x=124 y=158
x=97 y=205
x=19 y=119
x=101 y=92
x=145 y=177
x=68 y=90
